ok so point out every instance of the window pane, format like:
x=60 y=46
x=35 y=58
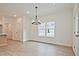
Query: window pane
x=41 y=29
x=50 y=26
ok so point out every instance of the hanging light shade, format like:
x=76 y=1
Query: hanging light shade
x=36 y=21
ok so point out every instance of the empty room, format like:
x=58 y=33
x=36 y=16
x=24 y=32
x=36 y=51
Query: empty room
x=39 y=29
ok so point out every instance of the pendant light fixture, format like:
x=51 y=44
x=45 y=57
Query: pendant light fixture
x=36 y=21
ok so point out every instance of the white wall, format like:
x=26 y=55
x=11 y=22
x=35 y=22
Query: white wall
x=26 y=28
x=64 y=28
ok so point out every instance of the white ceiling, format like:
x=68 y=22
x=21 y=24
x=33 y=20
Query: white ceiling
x=20 y=9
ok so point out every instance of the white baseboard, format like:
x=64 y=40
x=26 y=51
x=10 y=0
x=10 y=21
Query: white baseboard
x=57 y=43
x=63 y=44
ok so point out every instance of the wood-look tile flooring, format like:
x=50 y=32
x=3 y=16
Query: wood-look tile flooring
x=15 y=48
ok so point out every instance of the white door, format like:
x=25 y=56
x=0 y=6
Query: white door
x=76 y=37
x=17 y=31
x=77 y=45
x=9 y=30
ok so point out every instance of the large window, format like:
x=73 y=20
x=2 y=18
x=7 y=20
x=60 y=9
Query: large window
x=47 y=29
x=50 y=27
x=41 y=29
